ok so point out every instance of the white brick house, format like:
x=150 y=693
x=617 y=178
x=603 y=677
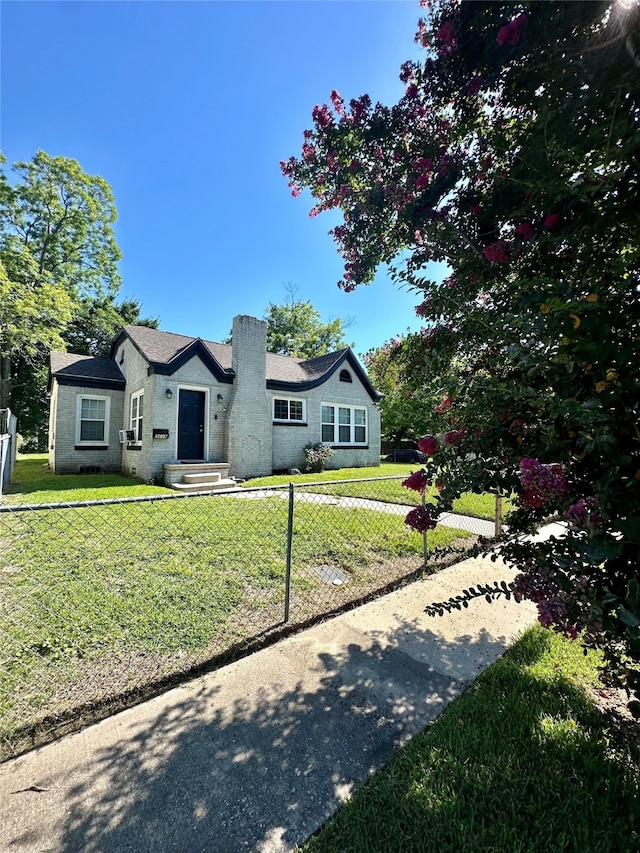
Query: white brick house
x=162 y=404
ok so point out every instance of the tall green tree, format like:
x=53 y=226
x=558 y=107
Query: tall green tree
x=59 y=278
x=295 y=328
x=412 y=386
x=93 y=326
x=514 y=155
x=57 y=247
x=96 y=322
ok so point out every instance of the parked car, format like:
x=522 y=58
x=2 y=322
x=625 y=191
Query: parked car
x=406 y=456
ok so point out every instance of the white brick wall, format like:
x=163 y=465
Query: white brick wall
x=63 y=456
x=289 y=441
x=249 y=424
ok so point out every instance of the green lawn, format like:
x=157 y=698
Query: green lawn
x=522 y=762
x=105 y=598
x=33 y=482
x=390 y=491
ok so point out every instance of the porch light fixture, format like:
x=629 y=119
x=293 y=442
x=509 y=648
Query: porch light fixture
x=168 y=393
x=220 y=398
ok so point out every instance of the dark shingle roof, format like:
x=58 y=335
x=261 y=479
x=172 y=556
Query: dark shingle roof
x=166 y=351
x=69 y=368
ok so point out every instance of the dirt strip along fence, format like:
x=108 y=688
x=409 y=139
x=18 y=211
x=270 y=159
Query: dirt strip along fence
x=104 y=603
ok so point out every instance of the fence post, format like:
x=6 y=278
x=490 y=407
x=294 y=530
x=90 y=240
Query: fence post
x=498 y=514
x=425 y=543
x=287 y=580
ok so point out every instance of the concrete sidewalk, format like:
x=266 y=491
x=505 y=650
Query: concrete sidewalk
x=256 y=756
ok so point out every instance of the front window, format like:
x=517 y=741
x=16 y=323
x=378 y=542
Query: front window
x=344 y=424
x=92 y=420
x=285 y=409
x=136 y=415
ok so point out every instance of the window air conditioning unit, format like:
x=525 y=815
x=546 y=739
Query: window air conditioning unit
x=126 y=435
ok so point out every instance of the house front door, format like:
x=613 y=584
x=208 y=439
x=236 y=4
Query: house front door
x=191 y=424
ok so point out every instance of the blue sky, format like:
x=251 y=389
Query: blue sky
x=186 y=109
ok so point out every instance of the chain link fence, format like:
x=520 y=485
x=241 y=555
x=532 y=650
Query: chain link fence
x=103 y=603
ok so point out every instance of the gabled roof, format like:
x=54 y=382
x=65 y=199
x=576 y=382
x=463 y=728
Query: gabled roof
x=315 y=371
x=166 y=352
x=86 y=370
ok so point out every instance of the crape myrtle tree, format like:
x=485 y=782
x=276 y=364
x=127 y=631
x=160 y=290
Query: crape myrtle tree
x=514 y=156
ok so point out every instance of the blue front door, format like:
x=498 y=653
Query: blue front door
x=191 y=425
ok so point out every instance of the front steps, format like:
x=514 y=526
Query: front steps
x=198 y=476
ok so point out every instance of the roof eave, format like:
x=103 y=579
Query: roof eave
x=347 y=356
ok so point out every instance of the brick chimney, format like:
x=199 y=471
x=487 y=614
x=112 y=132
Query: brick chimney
x=249 y=419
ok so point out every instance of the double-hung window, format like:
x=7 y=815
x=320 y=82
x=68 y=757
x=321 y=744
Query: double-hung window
x=92 y=420
x=344 y=424
x=289 y=410
x=135 y=422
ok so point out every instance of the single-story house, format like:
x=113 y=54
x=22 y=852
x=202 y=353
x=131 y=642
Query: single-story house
x=165 y=405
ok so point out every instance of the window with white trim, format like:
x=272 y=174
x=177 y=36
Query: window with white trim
x=344 y=424
x=92 y=420
x=286 y=409
x=135 y=422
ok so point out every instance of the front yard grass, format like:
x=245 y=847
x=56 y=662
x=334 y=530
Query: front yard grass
x=389 y=491
x=102 y=599
x=33 y=482
x=521 y=762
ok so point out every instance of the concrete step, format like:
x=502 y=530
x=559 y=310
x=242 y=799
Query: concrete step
x=210 y=486
x=203 y=477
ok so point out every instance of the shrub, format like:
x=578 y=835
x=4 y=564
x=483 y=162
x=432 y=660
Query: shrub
x=317 y=456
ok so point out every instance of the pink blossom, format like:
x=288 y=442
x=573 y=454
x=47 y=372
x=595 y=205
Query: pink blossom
x=308 y=152
x=420 y=519
x=552 y=221
x=418 y=481
x=454 y=437
x=423 y=164
x=337 y=101
x=446 y=35
x=332 y=162
x=407 y=70
x=583 y=513
x=321 y=115
x=541 y=484
x=497 y=253
x=424 y=309
x=429 y=446
x=525 y=231
x=511 y=33
x=422 y=182
x=444 y=406
x=422 y=36
x=288 y=166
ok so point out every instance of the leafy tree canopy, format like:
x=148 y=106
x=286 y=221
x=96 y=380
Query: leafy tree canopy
x=411 y=392
x=514 y=156
x=295 y=328
x=58 y=277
